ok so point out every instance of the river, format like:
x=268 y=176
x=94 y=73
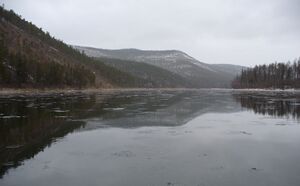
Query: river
x=152 y=138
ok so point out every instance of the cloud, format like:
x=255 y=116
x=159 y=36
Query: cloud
x=243 y=32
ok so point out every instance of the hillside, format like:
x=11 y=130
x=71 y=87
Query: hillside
x=228 y=68
x=30 y=57
x=156 y=77
x=199 y=74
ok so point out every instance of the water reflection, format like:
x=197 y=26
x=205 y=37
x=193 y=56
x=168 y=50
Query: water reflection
x=277 y=104
x=167 y=108
x=30 y=124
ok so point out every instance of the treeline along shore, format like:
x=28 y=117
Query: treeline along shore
x=272 y=76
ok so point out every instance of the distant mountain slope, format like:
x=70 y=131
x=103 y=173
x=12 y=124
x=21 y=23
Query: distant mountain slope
x=199 y=74
x=29 y=57
x=156 y=77
x=228 y=68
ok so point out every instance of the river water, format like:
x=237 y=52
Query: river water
x=152 y=138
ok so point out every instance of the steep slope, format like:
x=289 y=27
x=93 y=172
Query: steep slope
x=29 y=57
x=197 y=73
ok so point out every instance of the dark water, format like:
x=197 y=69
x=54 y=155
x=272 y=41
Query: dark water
x=205 y=137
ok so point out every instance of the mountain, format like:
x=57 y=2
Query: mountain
x=30 y=57
x=156 y=77
x=198 y=74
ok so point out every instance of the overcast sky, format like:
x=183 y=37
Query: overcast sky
x=244 y=32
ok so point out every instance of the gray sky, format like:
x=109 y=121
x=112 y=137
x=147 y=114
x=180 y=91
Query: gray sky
x=244 y=32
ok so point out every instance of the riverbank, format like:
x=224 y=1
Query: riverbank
x=33 y=92
x=265 y=90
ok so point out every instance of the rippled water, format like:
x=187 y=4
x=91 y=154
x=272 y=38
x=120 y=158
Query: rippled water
x=204 y=137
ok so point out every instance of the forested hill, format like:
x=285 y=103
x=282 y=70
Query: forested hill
x=275 y=75
x=30 y=57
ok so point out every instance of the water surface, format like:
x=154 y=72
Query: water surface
x=204 y=137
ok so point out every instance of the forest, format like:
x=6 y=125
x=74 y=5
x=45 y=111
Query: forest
x=274 y=76
x=20 y=65
x=30 y=57
x=17 y=70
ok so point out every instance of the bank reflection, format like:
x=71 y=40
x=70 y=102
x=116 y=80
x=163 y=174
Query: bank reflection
x=273 y=104
x=28 y=125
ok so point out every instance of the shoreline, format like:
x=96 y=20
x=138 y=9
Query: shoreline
x=32 y=92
